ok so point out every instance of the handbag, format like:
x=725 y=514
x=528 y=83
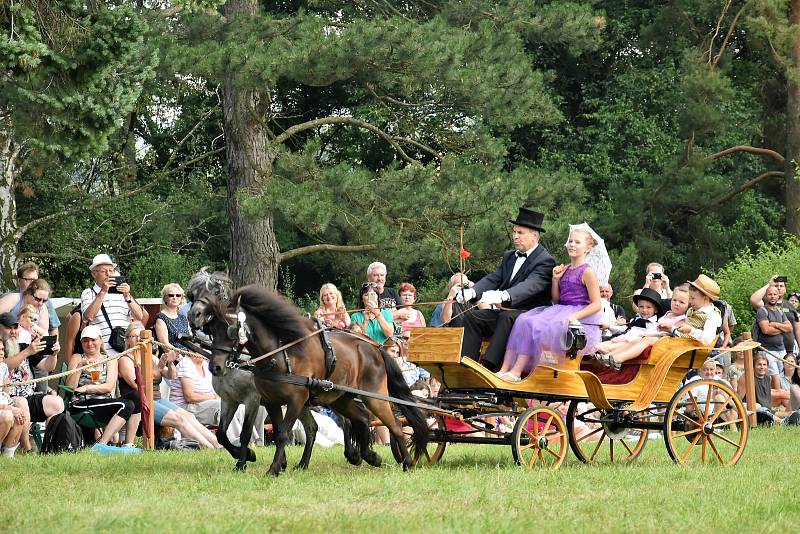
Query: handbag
x=117 y=338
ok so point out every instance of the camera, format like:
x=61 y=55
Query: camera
x=656 y=276
x=782 y=278
x=117 y=281
x=372 y=299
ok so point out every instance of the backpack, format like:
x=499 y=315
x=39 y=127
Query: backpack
x=62 y=435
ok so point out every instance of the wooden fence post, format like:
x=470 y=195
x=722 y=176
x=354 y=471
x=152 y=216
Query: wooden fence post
x=145 y=355
x=749 y=381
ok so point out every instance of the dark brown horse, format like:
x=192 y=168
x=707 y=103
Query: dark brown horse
x=268 y=321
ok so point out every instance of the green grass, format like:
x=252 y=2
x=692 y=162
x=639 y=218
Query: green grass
x=473 y=489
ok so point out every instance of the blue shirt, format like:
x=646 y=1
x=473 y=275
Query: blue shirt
x=55 y=322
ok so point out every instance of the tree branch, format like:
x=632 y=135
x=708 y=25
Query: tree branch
x=728 y=35
x=54 y=255
x=391 y=139
x=750 y=149
x=744 y=187
x=301 y=251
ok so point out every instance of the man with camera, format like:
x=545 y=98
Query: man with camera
x=109 y=304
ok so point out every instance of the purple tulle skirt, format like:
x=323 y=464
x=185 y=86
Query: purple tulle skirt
x=538 y=334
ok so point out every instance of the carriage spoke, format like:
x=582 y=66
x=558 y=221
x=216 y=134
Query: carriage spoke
x=624 y=444
x=556 y=456
x=592 y=433
x=723 y=410
x=714 y=448
x=611 y=447
x=687 y=433
x=696 y=406
x=691 y=446
x=541 y=456
x=723 y=438
x=723 y=423
x=709 y=396
x=597 y=448
x=688 y=418
x=703 y=449
x=547 y=425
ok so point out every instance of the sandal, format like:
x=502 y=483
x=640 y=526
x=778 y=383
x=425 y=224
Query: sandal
x=609 y=361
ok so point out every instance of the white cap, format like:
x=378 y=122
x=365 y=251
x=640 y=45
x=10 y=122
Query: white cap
x=102 y=259
x=91 y=331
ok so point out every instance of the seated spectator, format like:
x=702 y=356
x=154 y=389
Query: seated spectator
x=36 y=295
x=332 y=311
x=194 y=392
x=408 y=294
x=170 y=323
x=450 y=312
x=37 y=406
x=789 y=389
x=614 y=318
x=165 y=413
x=94 y=389
x=12 y=418
x=416 y=378
x=764 y=413
x=707 y=371
x=735 y=371
x=372 y=322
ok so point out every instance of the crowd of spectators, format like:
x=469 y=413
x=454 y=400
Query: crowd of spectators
x=109 y=319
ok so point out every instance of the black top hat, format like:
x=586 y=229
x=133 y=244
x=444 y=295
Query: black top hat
x=530 y=219
x=650 y=295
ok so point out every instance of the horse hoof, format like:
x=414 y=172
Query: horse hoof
x=354 y=460
x=407 y=465
x=240 y=466
x=301 y=467
x=372 y=459
x=251 y=455
x=273 y=472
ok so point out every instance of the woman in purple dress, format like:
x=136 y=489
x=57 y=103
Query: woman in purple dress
x=576 y=298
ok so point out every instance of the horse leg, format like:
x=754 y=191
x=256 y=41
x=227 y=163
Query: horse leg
x=250 y=411
x=275 y=414
x=383 y=411
x=359 y=432
x=293 y=410
x=311 y=427
x=241 y=454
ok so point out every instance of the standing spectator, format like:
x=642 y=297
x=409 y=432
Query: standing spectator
x=12 y=301
x=38 y=406
x=758 y=300
x=450 y=312
x=408 y=294
x=388 y=298
x=170 y=323
x=332 y=311
x=657 y=280
x=520 y=283
x=772 y=324
x=106 y=304
x=794 y=300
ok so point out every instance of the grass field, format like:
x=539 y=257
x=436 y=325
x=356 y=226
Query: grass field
x=473 y=489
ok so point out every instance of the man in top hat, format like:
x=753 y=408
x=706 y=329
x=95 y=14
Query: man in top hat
x=108 y=304
x=522 y=282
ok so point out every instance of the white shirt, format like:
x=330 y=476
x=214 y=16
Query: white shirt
x=202 y=382
x=521 y=260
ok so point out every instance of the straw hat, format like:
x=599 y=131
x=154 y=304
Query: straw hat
x=707 y=286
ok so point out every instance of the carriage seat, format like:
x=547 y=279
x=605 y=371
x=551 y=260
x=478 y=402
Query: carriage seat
x=629 y=369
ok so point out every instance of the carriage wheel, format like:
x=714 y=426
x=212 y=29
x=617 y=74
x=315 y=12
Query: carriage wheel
x=430 y=455
x=602 y=442
x=705 y=422
x=539 y=439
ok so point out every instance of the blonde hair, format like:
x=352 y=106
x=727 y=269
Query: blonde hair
x=27 y=311
x=684 y=288
x=339 y=300
x=653 y=265
x=587 y=233
x=170 y=288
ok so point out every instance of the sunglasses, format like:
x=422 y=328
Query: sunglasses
x=27 y=279
x=175 y=295
x=369 y=284
x=38 y=299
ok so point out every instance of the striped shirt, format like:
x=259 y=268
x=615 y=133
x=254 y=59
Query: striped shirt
x=116 y=308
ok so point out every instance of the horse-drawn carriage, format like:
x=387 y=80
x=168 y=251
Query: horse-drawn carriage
x=603 y=415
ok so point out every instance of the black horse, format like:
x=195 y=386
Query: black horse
x=236 y=386
x=268 y=321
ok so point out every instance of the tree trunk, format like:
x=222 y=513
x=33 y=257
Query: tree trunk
x=8 y=209
x=254 y=254
x=793 y=127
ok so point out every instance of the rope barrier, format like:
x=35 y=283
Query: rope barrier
x=72 y=371
x=181 y=351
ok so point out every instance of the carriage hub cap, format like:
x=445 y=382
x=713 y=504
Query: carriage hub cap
x=708 y=428
x=542 y=443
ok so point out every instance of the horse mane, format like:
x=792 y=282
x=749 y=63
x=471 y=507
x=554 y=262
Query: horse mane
x=273 y=310
x=204 y=281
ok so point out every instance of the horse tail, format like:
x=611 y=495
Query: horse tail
x=399 y=389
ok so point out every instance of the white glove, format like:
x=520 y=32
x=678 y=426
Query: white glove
x=465 y=295
x=494 y=297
